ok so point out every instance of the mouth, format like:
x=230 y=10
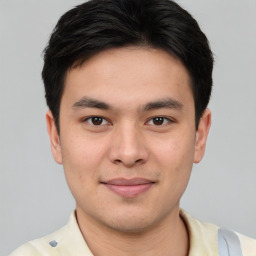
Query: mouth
x=129 y=187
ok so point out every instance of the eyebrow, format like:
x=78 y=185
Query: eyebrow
x=163 y=103
x=86 y=102
x=91 y=103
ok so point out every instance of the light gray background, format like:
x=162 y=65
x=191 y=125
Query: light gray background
x=34 y=196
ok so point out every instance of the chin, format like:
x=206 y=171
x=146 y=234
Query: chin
x=130 y=222
x=130 y=226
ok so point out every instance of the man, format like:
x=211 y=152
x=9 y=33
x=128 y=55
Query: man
x=127 y=83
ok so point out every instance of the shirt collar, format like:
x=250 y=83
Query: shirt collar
x=73 y=242
x=202 y=236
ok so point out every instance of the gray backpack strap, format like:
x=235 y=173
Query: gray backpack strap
x=228 y=243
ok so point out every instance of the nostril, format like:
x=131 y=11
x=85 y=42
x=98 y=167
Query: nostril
x=128 y=163
x=117 y=161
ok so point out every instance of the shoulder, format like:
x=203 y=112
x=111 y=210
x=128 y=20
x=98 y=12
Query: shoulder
x=42 y=246
x=248 y=245
x=205 y=238
x=65 y=241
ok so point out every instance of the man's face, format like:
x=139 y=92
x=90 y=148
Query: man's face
x=127 y=136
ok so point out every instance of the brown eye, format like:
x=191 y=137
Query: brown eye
x=96 y=120
x=158 y=120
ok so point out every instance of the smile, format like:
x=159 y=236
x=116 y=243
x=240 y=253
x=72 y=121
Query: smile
x=129 y=188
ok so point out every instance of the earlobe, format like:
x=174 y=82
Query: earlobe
x=201 y=135
x=54 y=137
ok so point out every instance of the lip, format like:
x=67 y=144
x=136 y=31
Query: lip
x=129 y=187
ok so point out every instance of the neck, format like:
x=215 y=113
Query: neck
x=170 y=237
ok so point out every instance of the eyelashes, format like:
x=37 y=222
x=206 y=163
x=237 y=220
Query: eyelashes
x=96 y=121
x=159 y=121
x=101 y=121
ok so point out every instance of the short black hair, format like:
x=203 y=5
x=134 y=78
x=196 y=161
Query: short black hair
x=98 y=25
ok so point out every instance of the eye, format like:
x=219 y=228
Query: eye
x=96 y=121
x=159 y=121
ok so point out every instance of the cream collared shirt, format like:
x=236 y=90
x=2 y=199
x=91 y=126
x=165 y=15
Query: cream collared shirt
x=68 y=241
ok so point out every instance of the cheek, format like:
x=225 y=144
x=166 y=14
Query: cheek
x=174 y=151
x=174 y=158
x=82 y=158
x=81 y=150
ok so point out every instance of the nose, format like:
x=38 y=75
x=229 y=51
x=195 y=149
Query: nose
x=128 y=146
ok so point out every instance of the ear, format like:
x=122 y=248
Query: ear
x=201 y=135
x=54 y=137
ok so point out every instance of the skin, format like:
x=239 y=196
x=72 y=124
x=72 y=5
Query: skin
x=128 y=143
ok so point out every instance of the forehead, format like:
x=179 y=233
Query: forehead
x=129 y=74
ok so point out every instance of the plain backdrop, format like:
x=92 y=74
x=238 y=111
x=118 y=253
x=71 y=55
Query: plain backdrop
x=34 y=197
